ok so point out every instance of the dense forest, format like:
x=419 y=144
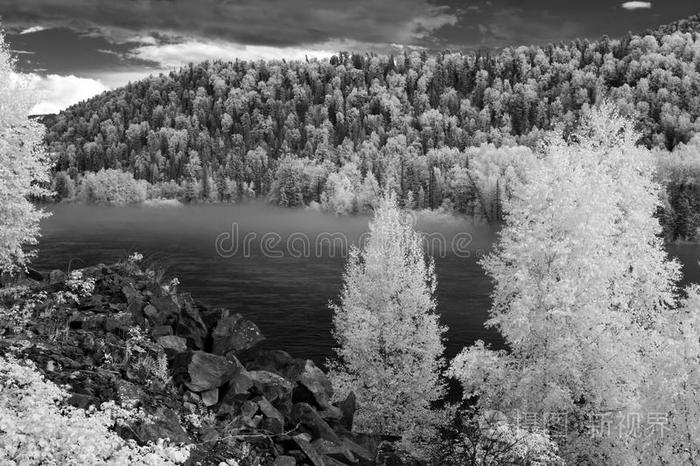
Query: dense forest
x=446 y=130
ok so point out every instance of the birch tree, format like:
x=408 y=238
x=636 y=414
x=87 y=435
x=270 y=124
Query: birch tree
x=580 y=278
x=672 y=396
x=24 y=166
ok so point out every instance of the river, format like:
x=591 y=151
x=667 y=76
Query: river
x=279 y=267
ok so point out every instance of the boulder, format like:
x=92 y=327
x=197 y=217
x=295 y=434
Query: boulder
x=308 y=449
x=330 y=461
x=249 y=409
x=276 y=361
x=135 y=307
x=272 y=386
x=116 y=327
x=334 y=450
x=307 y=416
x=153 y=314
x=94 y=303
x=163 y=424
x=210 y=397
x=317 y=383
x=56 y=276
x=240 y=383
x=82 y=401
x=189 y=323
x=167 y=309
x=348 y=407
x=332 y=413
x=163 y=330
x=272 y=426
x=284 y=461
x=173 y=343
x=270 y=411
x=34 y=274
x=358 y=450
x=210 y=435
x=207 y=371
x=233 y=333
x=131 y=293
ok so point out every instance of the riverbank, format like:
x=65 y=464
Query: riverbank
x=126 y=334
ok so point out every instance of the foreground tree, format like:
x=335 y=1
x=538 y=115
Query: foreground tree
x=388 y=333
x=672 y=395
x=23 y=167
x=581 y=278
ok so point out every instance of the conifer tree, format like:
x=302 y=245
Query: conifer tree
x=389 y=337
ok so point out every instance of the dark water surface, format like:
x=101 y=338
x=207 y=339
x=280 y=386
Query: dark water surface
x=284 y=265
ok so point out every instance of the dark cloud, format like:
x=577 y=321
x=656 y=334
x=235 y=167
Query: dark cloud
x=64 y=51
x=499 y=23
x=434 y=24
x=254 y=22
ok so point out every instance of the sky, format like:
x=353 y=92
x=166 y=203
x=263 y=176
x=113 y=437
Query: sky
x=70 y=50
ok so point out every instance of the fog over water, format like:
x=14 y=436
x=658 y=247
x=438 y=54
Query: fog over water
x=278 y=267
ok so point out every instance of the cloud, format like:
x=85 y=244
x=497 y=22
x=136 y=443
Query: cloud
x=636 y=5
x=197 y=50
x=32 y=30
x=516 y=26
x=423 y=26
x=54 y=93
x=254 y=22
x=114 y=79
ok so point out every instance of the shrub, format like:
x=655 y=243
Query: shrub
x=112 y=187
x=488 y=439
x=35 y=428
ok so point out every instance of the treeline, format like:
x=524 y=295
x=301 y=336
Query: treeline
x=304 y=132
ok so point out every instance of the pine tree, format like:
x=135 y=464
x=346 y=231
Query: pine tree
x=389 y=337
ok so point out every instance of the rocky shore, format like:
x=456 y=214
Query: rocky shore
x=123 y=333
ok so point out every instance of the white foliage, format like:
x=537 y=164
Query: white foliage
x=23 y=166
x=388 y=333
x=36 y=428
x=673 y=391
x=580 y=276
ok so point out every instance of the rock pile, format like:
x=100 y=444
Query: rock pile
x=137 y=341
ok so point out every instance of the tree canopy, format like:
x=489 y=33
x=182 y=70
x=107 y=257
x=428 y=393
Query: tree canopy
x=238 y=128
x=24 y=166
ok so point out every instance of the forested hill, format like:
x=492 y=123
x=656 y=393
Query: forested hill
x=686 y=25
x=299 y=129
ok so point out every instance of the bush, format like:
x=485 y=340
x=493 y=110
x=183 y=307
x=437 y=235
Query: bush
x=35 y=428
x=112 y=187
x=63 y=186
x=488 y=439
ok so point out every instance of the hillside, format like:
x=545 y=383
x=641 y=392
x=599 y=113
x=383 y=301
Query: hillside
x=685 y=25
x=178 y=370
x=315 y=132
